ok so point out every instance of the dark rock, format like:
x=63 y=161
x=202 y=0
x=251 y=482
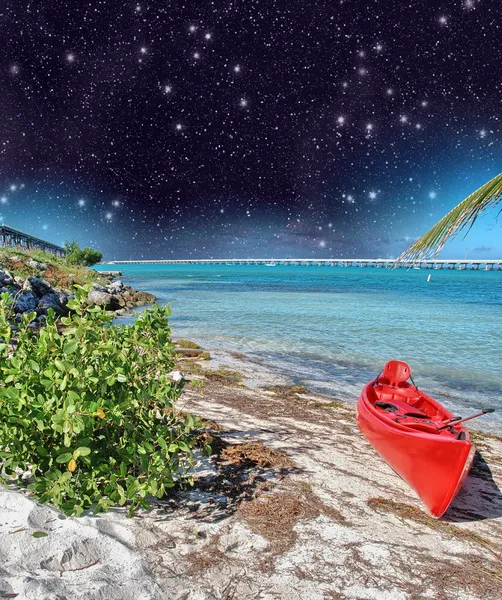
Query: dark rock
x=99 y=288
x=38 y=286
x=6 y=278
x=47 y=301
x=26 y=301
x=64 y=297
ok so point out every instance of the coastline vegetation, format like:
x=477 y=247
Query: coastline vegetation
x=58 y=271
x=87 y=410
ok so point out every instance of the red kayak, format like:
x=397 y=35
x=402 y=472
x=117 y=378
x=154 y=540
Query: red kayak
x=421 y=440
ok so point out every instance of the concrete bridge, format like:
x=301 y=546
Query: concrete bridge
x=19 y=239
x=460 y=264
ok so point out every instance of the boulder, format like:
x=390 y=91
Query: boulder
x=64 y=297
x=34 y=264
x=38 y=286
x=19 y=281
x=5 y=277
x=50 y=300
x=141 y=298
x=116 y=287
x=104 y=299
x=25 y=301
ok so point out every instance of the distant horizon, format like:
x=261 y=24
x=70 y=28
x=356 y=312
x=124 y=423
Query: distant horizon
x=311 y=259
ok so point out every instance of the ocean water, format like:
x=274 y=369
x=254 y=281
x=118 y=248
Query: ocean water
x=333 y=328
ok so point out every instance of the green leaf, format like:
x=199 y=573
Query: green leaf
x=83 y=450
x=39 y=534
x=34 y=365
x=121 y=377
x=70 y=347
x=64 y=458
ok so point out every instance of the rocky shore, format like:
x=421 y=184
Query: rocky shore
x=33 y=293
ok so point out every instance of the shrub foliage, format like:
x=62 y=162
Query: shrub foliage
x=75 y=255
x=87 y=408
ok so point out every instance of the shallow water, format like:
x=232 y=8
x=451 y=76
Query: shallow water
x=333 y=328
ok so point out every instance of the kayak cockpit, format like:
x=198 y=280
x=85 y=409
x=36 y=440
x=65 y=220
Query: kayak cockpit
x=397 y=401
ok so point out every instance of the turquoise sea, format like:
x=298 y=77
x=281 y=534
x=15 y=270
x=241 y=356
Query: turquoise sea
x=333 y=328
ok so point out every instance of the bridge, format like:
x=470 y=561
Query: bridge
x=19 y=239
x=460 y=264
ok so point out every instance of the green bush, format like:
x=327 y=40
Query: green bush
x=88 y=410
x=75 y=255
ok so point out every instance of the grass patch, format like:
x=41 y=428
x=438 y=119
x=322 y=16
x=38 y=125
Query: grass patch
x=332 y=404
x=58 y=272
x=256 y=453
x=287 y=391
x=406 y=511
x=274 y=516
x=482 y=437
x=225 y=376
x=186 y=344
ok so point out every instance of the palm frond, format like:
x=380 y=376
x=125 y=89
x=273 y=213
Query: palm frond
x=462 y=216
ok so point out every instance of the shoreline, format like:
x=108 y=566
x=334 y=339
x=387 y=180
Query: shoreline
x=308 y=512
x=293 y=504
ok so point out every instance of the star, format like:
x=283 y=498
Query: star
x=13 y=187
x=403 y=119
x=179 y=126
x=243 y=102
x=432 y=195
x=14 y=69
x=340 y=120
x=196 y=55
x=143 y=50
x=482 y=133
x=116 y=203
x=168 y=89
x=208 y=36
x=372 y=195
x=81 y=202
x=237 y=68
x=108 y=216
x=192 y=28
x=3 y=199
x=70 y=58
x=443 y=20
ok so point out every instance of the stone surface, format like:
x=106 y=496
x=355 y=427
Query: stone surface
x=38 y=286
x=48 y=301
x=34 y=264
x=25 y=301
x=5 y=277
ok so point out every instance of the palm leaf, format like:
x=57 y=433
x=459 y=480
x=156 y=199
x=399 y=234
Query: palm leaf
x=462 y=216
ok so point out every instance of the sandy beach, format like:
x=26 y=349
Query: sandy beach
x=304 y=510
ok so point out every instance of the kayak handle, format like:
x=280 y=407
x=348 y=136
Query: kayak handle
x=457 y=420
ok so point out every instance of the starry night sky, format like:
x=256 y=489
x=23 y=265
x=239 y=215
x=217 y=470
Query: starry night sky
x=157 y=129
